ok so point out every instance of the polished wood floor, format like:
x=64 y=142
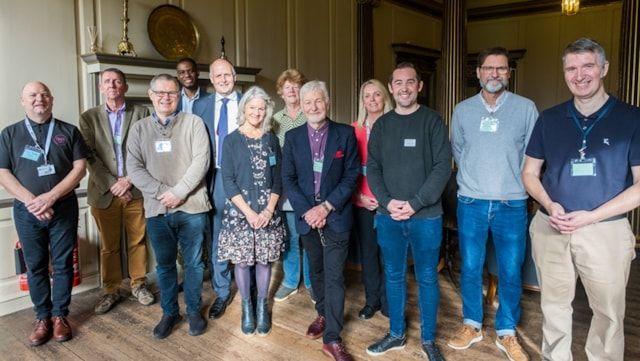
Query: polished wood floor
x=125 y=332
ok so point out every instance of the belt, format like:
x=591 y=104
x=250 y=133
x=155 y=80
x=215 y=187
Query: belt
x=610 y=219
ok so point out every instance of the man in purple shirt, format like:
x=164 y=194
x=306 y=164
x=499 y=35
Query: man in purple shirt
x=320 y=166
x=113 y=199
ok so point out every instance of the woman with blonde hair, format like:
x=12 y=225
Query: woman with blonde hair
x=373 y=101
x=288 y=86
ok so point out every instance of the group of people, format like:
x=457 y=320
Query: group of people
x=219 y=178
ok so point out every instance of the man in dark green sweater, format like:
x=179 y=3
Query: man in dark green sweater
x=408 y=166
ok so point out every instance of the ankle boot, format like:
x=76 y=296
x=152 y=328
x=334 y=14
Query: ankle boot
x=248 y=317
x=263 y=317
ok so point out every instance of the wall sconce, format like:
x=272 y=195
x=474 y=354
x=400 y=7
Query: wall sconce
x=570 y=7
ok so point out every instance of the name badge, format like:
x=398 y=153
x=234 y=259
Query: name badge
x=409 y=142
x=31 y=153
x=363 y=170
x=163 y=146
x=272 y=160
x=489 y=124
x=317 y=166
x=45 y=170
x=583 y=167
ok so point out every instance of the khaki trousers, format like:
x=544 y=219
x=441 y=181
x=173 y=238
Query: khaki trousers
x=110 y=221
x=600 y=254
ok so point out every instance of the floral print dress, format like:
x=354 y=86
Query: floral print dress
x=238 y=242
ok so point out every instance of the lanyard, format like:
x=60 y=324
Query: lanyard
x=47 y=145
x=585 y=132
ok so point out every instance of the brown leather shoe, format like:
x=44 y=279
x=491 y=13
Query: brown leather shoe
x=41 y=332
x=336 y=351
x=316 y=328
x=61 y=329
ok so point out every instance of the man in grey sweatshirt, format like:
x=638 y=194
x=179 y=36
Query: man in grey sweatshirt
x=408 y=166
x=167 y=160
x=489 y=133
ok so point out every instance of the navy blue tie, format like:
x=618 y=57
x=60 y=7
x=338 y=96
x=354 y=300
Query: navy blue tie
x=223 y=128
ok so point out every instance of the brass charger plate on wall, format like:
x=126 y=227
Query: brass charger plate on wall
x=172 y=32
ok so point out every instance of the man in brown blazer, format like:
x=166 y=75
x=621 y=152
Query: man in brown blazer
x=113 y=199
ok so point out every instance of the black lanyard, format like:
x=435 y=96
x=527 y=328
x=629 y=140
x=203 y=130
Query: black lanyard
x=585 y=132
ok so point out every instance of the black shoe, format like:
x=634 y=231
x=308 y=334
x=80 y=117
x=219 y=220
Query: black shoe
x=387 y=343
x=248 y=322
x=432 y=351
x=263 y=317
x=165 y=326
x=218 y=307
x=367 y=312
x=197 y=324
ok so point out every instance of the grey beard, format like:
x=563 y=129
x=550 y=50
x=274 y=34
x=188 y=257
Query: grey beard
x=502 y=84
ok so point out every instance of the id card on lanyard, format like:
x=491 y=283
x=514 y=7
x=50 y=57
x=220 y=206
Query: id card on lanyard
x=46 y=169
x=583 y=166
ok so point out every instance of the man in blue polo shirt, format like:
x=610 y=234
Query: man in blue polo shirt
x=591 y=148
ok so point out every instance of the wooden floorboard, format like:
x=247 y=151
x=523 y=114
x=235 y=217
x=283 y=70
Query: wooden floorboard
x=125 y=333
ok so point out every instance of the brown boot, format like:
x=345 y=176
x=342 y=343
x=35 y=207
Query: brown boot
x=316 y=328
x=61 y=329
x=336 y=351
x=41 y=332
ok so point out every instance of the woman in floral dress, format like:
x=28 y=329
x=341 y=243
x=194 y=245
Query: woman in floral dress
x=253 y=231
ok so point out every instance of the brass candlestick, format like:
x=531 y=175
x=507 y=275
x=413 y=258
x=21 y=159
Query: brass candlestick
x=125 y=47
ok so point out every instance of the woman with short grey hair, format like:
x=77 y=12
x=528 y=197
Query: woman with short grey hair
x=253 y=231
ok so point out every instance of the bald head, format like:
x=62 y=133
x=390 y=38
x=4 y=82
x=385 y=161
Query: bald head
x=37 y=101
x=222 y=76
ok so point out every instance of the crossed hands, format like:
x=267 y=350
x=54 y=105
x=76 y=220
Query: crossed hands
x=169 y=200
x=400 y=210
x=368 y=202
x=316 y=217
x=120 y=187
x=567 y=223
x=259 y=220
x=40 y=206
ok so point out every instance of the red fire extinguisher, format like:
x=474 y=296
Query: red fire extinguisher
x=21 y=269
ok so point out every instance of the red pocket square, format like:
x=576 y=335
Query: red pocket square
x=339 y=154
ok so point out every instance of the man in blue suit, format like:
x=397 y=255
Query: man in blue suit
x=190 y=92
x=219 y=112
x=319 y=171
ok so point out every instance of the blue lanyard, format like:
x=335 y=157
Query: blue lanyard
x=585 y=132
x=47 y=144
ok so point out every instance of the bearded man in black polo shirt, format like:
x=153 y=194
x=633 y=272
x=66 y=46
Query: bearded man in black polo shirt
x=591 y=147
x=42 y=160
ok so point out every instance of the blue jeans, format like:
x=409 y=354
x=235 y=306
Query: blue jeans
x=167 y=233
x=507 y=221
x=220 y=270
x=424 y=235
x=55 y=237
x=291 y=257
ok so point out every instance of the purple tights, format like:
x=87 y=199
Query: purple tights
x=243 y=279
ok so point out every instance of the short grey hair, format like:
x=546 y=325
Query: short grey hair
x=255 y=92
x=315 y=86
x=585 y=45
x=164 y=76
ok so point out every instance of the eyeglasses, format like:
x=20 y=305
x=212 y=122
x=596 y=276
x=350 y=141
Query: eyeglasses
x=490 y=69
x=162 y=94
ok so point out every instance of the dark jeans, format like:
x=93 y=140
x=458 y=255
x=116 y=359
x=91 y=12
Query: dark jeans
x=424 y=236
x=327 y=278
x=507 y=221
x=370 y=258
x=167 y=233
x=220 y=270
x=55 y=238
